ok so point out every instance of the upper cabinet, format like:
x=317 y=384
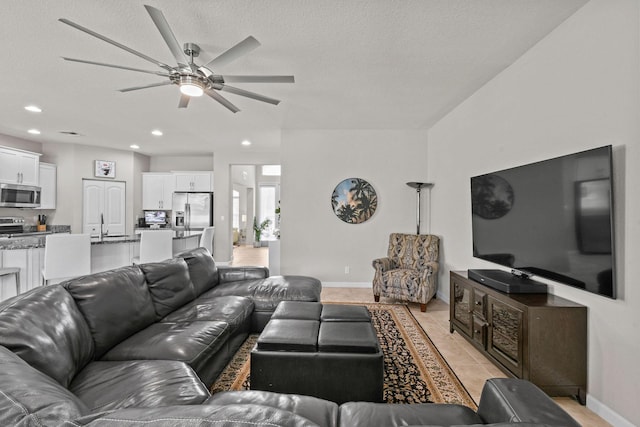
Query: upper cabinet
x=48 y=180
x=193 y=181
x=19 y=167
x=157 y=190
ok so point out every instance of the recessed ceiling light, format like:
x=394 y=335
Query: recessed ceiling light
x=134 y=146
x=246 y=143
x=33 y=109
x=34 y=131
x=156 y=132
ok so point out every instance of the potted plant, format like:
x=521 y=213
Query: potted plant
x=258 y=229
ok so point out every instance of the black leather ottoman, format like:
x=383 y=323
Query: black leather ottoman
x=326 y=351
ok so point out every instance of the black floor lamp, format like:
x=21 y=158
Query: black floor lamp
x=419 y=186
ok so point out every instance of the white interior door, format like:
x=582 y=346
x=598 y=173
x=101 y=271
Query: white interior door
x=92 y=206
x=114 y=208
x=103 y=201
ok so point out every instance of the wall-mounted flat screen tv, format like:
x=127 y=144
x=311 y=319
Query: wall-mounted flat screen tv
x=552 y=219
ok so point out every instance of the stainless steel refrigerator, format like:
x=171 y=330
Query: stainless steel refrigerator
x=197 y=208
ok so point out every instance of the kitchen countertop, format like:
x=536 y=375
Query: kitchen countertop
x=29 y=242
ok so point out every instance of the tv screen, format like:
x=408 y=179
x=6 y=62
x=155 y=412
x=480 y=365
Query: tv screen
x=155 y=217
x=552 y=219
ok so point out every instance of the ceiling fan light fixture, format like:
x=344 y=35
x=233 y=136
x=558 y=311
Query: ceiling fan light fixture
x=191 y=86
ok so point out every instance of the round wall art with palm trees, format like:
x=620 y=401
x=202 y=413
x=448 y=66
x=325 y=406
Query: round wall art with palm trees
x=354 y=200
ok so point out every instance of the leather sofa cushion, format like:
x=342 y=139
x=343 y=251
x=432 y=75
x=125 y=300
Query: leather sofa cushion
x=347 y=337
x=298 y=310
x=233 y=310
x=321 y=412
x=29 y=397
x=202 y=269
x=169 y=284
x=247 y=415
x=419 y=414
x=233 y=274
x=45 y=328
x=517 y=400
x=116 y=304
x=104 y=386
x=267 y=293
x=194 y=343
x=289 y=335
x=345 y=313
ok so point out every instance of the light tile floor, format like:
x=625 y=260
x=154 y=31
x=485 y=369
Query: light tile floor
x=471 y=367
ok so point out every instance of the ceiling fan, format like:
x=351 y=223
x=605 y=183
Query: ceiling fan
x=193 y=79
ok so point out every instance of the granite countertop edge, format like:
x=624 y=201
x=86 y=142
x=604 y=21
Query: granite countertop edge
x=34 y=242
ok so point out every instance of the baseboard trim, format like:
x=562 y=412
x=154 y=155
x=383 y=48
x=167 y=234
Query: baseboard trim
x=607 y=413
x=347 y=285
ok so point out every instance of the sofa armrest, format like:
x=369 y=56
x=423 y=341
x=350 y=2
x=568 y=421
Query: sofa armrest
x=515 y=400
x=232 y=274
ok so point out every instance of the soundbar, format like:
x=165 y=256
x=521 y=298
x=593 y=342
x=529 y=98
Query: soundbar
x=507 y=282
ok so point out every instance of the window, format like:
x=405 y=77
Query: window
x=236 y=210
x=267 y=207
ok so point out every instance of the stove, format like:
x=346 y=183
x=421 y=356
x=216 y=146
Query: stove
x=11 y=225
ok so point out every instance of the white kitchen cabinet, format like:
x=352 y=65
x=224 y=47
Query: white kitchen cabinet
x=48 y=179
x=19 y=167
x=157 y=190
x=193 y=181
x=30 y=262
x=104 y=205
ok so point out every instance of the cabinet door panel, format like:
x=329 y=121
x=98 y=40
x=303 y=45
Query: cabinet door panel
x=462 y=307
x=29 y=169
x=183 y=182
x=201 y=182
x=505 y=334
x=9 y=166
x=48 y=185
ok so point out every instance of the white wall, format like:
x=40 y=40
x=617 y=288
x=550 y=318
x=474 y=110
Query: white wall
x=577 y=89
x=314 y=241
x=202 y=162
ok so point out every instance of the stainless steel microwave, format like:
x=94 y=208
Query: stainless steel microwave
x=19 y=196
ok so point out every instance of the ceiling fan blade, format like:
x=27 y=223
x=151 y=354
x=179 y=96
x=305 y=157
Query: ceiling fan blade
x=184 y=101
x=129 y=89
x=233 y=53
x=102 y=64
x=222 y=100
x=251 y=95
x=258 y=79
x=115 y=43
x=163 y=26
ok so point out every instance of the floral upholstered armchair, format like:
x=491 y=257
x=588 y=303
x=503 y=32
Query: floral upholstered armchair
x=409 y=271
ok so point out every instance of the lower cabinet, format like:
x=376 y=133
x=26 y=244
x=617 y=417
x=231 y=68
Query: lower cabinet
x=538 y=337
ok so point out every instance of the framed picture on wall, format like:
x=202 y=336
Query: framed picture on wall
x=105 y=169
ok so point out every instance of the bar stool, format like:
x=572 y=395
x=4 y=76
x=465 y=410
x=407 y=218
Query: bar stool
x=66 y=256
x=155 y=246
x=15 y=271
x=206 y=239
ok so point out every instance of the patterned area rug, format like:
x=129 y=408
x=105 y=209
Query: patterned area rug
x=415 y=371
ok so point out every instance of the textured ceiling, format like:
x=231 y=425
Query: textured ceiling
x=374 y=64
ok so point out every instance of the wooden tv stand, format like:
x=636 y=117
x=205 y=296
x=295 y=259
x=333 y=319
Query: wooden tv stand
x=538 y=337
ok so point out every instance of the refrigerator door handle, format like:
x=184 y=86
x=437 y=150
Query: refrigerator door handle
x=187 y=214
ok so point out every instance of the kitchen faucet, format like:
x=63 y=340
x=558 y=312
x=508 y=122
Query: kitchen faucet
x=101 y=226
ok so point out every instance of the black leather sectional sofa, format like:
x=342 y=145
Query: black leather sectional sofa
x=141 y=345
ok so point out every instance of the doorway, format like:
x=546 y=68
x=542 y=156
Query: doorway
x=255 y=195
